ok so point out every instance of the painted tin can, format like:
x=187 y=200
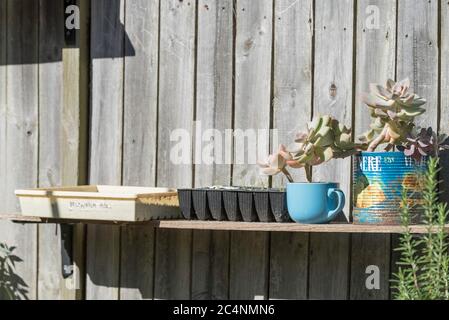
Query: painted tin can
x=378 y=182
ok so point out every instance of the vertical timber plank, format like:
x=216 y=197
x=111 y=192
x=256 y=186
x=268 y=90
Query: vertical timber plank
x=333 y=93
x=370 y=250
x=289 y=265
x=210 y=252
x=418 y=53
x=328 y=267
x=376 y=61
x=103 y=242
x=176 y=111
x=140 y=140
x=249 y=262
x=62 y=114
x=51 y=284
x=3 y=105
x=418 y=59
x=292 y=111
x=21 y=139
x=444 y=96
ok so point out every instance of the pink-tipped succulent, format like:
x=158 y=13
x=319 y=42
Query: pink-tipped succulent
x=276 y=163
x=393 y=109
x=423 y=143
x=325 y=139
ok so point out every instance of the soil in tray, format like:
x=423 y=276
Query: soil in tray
x=200 y=204
x=216 y=205
x=186 y=203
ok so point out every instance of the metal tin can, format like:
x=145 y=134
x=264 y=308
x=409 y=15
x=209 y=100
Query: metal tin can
x=379 y=180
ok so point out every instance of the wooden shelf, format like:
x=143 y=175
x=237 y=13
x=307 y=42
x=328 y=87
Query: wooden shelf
x=236 y=226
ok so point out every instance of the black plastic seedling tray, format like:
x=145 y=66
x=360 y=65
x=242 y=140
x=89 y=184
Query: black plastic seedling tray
x=216 y=205
x=200 y=204
x=247 y=206
x=234 y=204
x=278 y=203
x=186 y=203
x=231 y=205
x=262 y=204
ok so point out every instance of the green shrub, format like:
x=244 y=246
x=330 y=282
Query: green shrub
x=424 y=261
x=12 y=286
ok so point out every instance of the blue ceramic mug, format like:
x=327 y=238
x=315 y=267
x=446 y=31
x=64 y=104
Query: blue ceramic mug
x=314 y=203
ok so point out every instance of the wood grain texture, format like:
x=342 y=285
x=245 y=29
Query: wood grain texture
x=292 y=105
x=444 y=97
x=173 y=264
x=214 y=94
x=444 y=56
x=176 y=110
x=289 y=266
x=237 y=226
x=375 y=54
x=176 y=88
x=333 y=94
x=370 y=250
x=59 y=140
x=249 y=266
x=329 y=267
x=292 y=110
x=375 y=63
x=333 y=83
x=214 y=89
x=210 y=265
x=137 y=263
x=252 y=98
x=3 y=105
x=417 y=56
x=252 y=112
x=140 y=97
x=103 y=242
x=21 y=117
x=140 y=140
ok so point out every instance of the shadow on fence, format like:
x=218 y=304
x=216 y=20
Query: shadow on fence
x=12 y=286
x=38 y=32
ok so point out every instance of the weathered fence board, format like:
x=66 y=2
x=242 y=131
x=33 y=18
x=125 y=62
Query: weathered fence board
x=21 y=143
x=333 y=94
x=156 y=66
x=375 y=63
x=103 y=242
x=253 y=57
x=140 y=139
x=52 y=149
x=3 y=102
x=444 y=92
x=214 y=110
x=289 y=265
x=417 y=56
x=176 y=111
x=292 y=110
x=444 y=63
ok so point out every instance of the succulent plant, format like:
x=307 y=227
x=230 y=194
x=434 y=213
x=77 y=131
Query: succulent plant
x=393 y=109
x=324 y=140
x=423 y=142
x=276 y=163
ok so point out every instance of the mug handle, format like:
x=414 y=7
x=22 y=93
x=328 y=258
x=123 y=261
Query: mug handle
x=341 y=202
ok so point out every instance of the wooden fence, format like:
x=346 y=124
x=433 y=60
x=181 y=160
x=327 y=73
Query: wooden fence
x=102 y=112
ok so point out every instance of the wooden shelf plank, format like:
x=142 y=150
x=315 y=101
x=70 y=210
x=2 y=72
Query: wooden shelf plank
x=236 y=226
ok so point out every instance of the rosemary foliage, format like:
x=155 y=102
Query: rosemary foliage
x=424 y=261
